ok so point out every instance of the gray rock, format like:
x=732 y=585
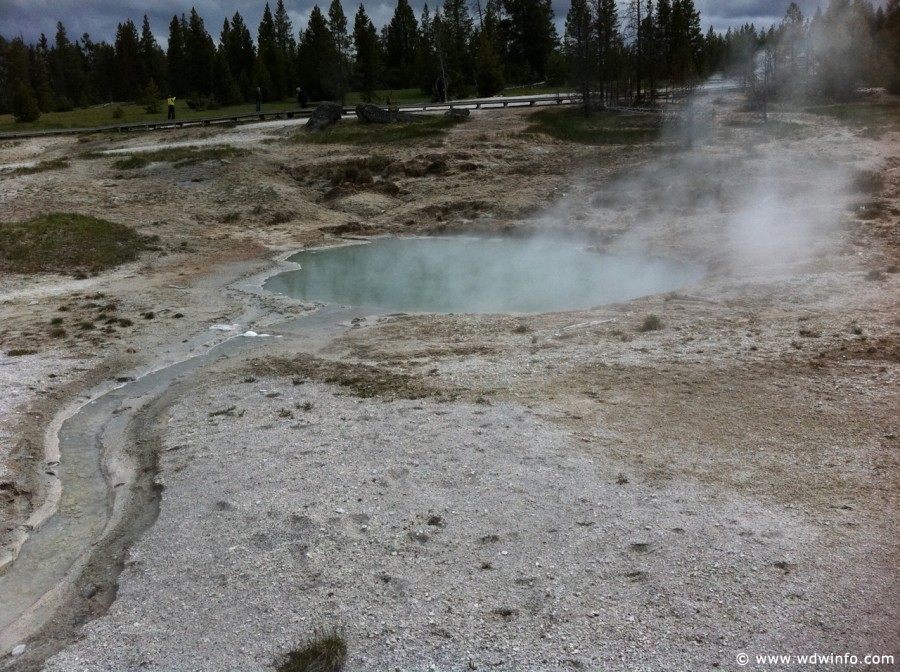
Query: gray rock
x=458 y=112
x=324 y=115
x=373 y=114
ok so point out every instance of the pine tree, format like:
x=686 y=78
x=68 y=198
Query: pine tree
x=40 y=75
x=151 y=55
x=609 y=47
x=427 y=62
x=66 y=71
x=340 y=69
x=367 y=66
x=530 y=34
x=581 y=50
x=400 y=46
x=176 y=59
x=453 y=32
x=128 y=64
x=272 y=56
x=316 y=54
x=240 y=54
x=488 y=67
x=200 y=51
x=23 y=102
x=287 y=48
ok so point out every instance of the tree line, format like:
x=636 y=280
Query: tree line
x=654 y=46
x=611 y=51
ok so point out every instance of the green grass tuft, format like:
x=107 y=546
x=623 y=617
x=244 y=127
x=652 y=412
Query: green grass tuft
x=602 y=128
x=651 y=323
x=324 y=652
x=351 y=132
x=180 y=156
x=42 y=167
x=67 y=243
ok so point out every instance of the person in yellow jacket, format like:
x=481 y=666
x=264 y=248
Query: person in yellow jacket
x=171 y=103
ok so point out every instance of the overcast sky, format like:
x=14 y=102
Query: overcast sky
x=99 y=18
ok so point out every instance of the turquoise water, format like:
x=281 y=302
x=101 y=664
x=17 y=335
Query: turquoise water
x=473 y=275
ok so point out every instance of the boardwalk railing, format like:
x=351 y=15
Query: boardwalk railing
x=269 y=115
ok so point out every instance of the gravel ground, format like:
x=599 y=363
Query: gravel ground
x=450 y=537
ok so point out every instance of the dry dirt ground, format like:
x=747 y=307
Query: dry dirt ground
x=554 y=491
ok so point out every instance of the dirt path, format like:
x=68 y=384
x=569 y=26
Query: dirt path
x=733 y=474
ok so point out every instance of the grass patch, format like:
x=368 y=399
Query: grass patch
x=602 y=128
x=773 y=128
x=651 y=323
x=351 y=132
x=324 y=652
x=362 y=380
x=42 y=167
x=180 y=156
x=67 y=243
x=874 y=117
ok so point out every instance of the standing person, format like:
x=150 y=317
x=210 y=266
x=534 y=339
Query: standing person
x=441 y=88
x=258 y=99
x=171 y=104
x=302 y=98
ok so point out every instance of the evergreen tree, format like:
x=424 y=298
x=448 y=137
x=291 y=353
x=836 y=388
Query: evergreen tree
x=128 y=64
x=340 y=69
x=530 y=34
x=40 y=75
x=686 y=42
x=427 y=62
x=890 y=41
x=287 y=48
x=367 y=66
x=581 y=49
x=488 y=67
x=400 y=38
x=151 y=55
x=794 y=25
x=176 y=59
x=23 y=102
x=200 y=52
x=272 y=56
x=240 y=54
x=453 y=32
x=316 y=54
x=662 y=55
x=609 y=47
x=225 y=88
x=66 y=71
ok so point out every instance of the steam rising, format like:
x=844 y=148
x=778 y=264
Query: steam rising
x=742 y=198
x=745 y=197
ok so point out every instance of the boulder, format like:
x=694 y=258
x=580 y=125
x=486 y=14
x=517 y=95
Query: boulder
x=324 y=115
x=457 y=112
x=373 y=114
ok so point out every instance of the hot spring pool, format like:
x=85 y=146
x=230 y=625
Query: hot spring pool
x=475 y=275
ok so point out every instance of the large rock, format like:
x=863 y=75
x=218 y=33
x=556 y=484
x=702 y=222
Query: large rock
x=457 y=112
x=324 y=115
x=373 y=114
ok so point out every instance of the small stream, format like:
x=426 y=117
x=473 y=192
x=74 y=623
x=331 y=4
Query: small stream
x=86 y=505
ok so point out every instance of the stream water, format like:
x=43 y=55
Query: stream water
x=86 y=503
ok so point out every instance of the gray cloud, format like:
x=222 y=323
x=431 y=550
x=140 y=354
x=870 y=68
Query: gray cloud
x=99 y=18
